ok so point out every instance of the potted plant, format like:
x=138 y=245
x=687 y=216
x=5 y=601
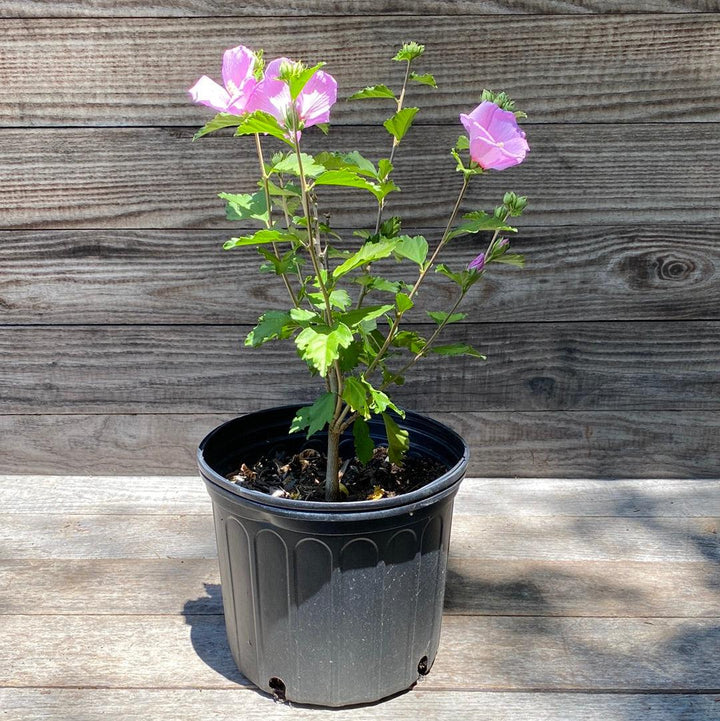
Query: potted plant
x=333 y=519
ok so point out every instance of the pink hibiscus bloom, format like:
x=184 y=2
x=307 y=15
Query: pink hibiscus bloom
x=239 y=79
x=496 y=141
x=477 y=264
x=312 y=105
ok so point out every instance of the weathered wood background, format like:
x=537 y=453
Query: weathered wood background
x=121 y=317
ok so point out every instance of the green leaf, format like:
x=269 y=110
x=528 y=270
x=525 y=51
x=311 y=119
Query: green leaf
x=221 y=120
x=457 y=349
x=355 y=394
x=347 y=179
x=338 y=299
x=318 y=345
x=289 y=164
x=303 y=316
x=316 y=416
x=347 y=161
x=374 y=91
x=364 y=445
x=441 y=317
x=425 y=79
x=410 y=51
x=390 y=228
x=272 y=324
x=463 y=143
x=289 y=262
x=368 y=253
x=288 y=190
x=409 y=339
x=511 y=259
x=380 y=402
x=400 y=123
x=403 y=302
x=349 y=357
x=259 y=237
x=385 y=167
x=398 y=440
x=478 y=221
x=415 y=248
x=261 y=122
x=375 y=282
x=297 y=81
x=245 y=206
x=361 y=315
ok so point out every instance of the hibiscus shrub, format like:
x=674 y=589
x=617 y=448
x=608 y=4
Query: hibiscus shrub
x=356 y=346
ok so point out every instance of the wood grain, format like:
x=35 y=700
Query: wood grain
x=594 y=444
x=475 y=651
x=610 y=68
x=195 y=369
x=579 y=539
x=575 y=174
x=275 y=8
x=659 y=272
x=27 y=704
x=480 y=497
x=475 y=586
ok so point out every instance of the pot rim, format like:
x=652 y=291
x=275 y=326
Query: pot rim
x=416 y=498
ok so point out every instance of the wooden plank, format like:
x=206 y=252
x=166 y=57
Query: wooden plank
x=275 y=8
x=589 y=366
x=592 y=444
x=643 y=173
x=661 y=272
x=480 y=497
x=476 y=586
x=182 y=704
x=607 y=68
x=91 y=536
x=482 y=653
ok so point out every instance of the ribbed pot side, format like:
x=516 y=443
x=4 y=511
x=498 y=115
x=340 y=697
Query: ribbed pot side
x=330 y=604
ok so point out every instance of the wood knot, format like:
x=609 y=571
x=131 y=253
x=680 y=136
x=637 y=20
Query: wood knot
x=671 y=267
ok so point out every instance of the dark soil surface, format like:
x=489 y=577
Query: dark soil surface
x=302 y=476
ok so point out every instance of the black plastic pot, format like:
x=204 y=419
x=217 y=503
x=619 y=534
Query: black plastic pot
x=330 y=603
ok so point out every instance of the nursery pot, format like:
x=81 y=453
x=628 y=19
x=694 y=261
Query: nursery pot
x=330 y=603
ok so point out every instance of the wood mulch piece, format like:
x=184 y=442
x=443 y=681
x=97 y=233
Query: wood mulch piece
x=302 y=476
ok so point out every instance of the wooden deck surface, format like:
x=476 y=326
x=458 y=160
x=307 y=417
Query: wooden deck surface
x=566 y=599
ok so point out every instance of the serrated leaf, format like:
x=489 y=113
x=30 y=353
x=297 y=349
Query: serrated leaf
x=289 y=164
x=261 y=122
x=364 y=445
x=479 y=221
x=318 y=345
x=375 y=282
x=349 y=356
x=271 y=325
x=296 y=82
x=368 y=253
x=302 y=315
x=339 y=299
x=261 y=236
x=409 y=339
x=413 y=248
x=316 y=416
x=457 y=349
x=245 y=206
x=380 y=402
x=347 y=179
x=360 y=315
x=373 y=91
x=410 y=51
x=403 y=302
x=355 y=394
x=441 y=317
x=385 y=167
x=289 y=262
x=288 y=190
x=398 y=440
x=463 y=143
x=400 y=123
x=425 y=79
x=221 y=120
x=511 y=259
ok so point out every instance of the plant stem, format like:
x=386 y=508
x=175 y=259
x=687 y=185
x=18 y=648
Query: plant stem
x=421 y=277
x=332 y=482
x=268 y=219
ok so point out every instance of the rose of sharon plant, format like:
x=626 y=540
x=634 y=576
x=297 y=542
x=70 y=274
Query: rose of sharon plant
x=345 y=318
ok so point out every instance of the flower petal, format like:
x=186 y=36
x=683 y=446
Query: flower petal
x=316 y=98
x=237 y=67
x=207 y=92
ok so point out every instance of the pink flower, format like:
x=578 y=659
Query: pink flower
x=477 y=264
x=496 y=141
x=239 y=79
x=312 y=106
